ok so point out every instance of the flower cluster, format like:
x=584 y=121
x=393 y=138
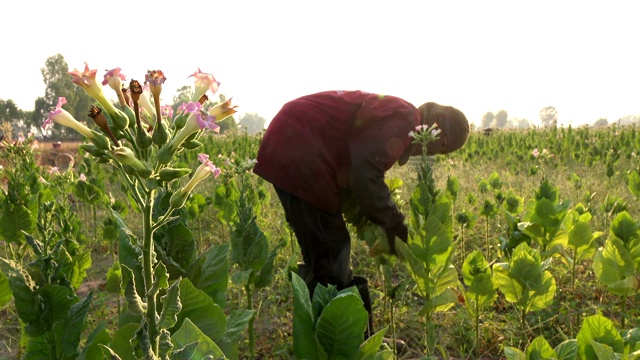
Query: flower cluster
x=139 y=135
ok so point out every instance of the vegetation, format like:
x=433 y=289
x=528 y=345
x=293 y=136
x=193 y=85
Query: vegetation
x=523 y=244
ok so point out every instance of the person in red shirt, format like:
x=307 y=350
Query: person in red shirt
x=322 y=146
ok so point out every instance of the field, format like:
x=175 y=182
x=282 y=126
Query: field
x=555 y=201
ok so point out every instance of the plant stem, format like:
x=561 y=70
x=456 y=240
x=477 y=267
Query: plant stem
x=252 y=335
x=147 y=268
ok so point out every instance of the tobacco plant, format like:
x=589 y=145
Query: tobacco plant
x=138 y=138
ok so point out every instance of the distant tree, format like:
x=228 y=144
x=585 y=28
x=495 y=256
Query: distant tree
x=57 y=80
x=487 y=119
x=549 y=116
x=183 y=95
x=12 y=115
x=629 y=119
x=500 y=119
x=601 y=122
x=520 y=123
x=252 y=123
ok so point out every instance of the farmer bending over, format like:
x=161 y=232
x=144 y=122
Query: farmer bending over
x=322 y=146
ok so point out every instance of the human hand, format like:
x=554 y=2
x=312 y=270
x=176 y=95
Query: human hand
x=400 y=231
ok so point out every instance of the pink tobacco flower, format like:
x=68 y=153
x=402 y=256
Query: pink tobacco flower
x=87 y=81
x=167 y=111
x=62 y=117
x=203 y=82
x=114 y=78
x=205 y=169
x=155 y=79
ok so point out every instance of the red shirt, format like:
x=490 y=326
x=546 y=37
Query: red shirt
x=321 y=144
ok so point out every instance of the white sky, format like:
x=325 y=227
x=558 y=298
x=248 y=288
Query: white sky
x=581 y=57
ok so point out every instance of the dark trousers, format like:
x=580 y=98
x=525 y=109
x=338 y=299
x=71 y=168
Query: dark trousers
x=325 y=243
x=323 y=239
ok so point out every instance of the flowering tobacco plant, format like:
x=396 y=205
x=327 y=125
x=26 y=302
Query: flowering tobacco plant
x=140 y=138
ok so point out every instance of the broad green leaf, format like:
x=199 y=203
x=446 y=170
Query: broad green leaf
x=370 y=346
x=186 y=352
x=581 y=239
x=474 y=264
x=129 y=253
x=613 y=264
x=27 y=300
x=623 y=227
x=265 y=275
x=15 y=220
x=304 y=338
x=540 y=349
x=37 y=348
x=481 y=293
x=114 y=279
x=74 y=325
x=171 y=306
x=210 y=273
x=542 y=297
x=121 y=341
x=134 y=302
x=5 y=290
x=188 y=333
x=178 y=247
x=599 y=329
x=340 y=327
x=99 y=336
x=567 y=350
x=634 y=184
x=512 y=353
x=237 y=324
x=201 y=310
x=603 y=351
x=631 y=340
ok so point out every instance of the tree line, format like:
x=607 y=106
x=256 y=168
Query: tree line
x=55 y=75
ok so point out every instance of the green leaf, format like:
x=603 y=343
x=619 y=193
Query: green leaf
x=37 y=348
x=14 y=220
x=201 y=310
x=481 y=293
x=237 y=324
x=340 y=327
x=121 y=341
x=5 y=290
x=210 y=273
x=599 y=329
x=634 y=184
x=27 y=299
x=603 y=351
x=514 y=354
x=304 y=339
x=134 y=301
x=612 y=265
x=567 y=350
x=370 y=346
x=540 y=349
x=581 y=239
x=171 y=306
x=474 y=264
x=189 y=333
x=92 y=347
x=74 y=325
x=186 y=352
x=623 y=227
x=114 y=279
x=265 y=275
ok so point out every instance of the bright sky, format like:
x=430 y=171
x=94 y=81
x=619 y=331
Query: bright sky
x=580 y=57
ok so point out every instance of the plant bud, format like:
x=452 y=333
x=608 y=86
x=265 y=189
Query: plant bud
x=92 y=149
x=99 y=140
x=169 y=174
x=160 y=134
x=178 y=199
x=191 y=144
x=120 y=119
x=165 y=154
x=143 y=140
